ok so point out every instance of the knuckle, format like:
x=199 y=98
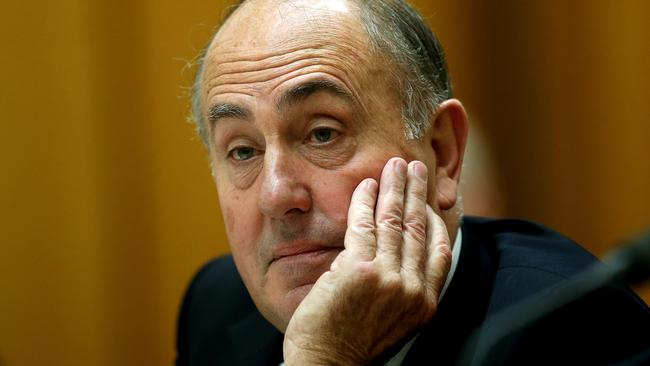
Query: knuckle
x=418 y=191
x=445 y=252
x=361 y=211
x=392 y=282
x=416 y=227
x=391 y=220
x=429 y=300
x=411 y=268
x=443 y=243
x=363 y=228
x=366 y=272
x=366 y=208
x=433 y=290
x=414 y=291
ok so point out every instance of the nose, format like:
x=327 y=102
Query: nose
x=283 y=189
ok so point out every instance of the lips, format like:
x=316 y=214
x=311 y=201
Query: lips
x=297 y=250
x=298 y=264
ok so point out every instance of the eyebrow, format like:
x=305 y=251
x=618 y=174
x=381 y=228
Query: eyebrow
x=293 y=96
x=301 y=92
x=227 y=110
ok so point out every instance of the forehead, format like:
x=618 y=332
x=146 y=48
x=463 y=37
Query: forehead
x=277 y=16
x=270 y=26
x=267 y=44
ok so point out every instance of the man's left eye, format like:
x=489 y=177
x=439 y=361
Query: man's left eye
x=323 y=135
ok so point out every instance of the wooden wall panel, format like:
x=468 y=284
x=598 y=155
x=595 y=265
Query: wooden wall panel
x=106 y=198
x=52 y=304
x=559 y=90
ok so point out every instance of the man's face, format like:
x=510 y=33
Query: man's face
x=300 y=113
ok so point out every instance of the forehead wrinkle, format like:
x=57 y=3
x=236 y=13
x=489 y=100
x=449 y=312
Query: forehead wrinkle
x=288 y=34
x=264 y=74
x=231 y=52
x=228 y=59
x=346 y=84
x=218 y=81
x=320 y=34
x=256 y=59
x=302 y=91
x=224 y=82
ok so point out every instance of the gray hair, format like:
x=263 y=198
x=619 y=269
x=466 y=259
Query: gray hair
x=398 y=33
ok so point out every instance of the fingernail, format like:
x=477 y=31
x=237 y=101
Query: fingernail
x=400 y=167
x=420 y=170
x=371 y=185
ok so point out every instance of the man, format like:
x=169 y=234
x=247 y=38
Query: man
x=337 y=148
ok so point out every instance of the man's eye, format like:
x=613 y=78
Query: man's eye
x=323 y=135
x=242 y=153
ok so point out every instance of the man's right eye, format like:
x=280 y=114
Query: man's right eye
x=242 y=153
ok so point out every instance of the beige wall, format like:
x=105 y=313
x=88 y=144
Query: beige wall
x=106 y=202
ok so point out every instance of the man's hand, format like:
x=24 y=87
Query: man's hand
x=387 y=281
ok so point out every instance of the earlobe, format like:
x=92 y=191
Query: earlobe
x=446 y=193
x=448 y=137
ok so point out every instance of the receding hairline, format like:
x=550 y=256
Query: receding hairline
x=397 y=34
x=231 y=12
x=323 y=84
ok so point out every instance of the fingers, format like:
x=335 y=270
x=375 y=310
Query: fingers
x=438 y=253
x=389 y=213
x=360 y=236
x=414 y=223
x=393 y=225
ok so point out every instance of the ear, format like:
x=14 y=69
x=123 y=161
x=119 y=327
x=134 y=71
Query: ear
x=448 y=135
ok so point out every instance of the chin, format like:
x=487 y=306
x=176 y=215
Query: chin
x=295 y=296
x=283 y=309
x=290 y=281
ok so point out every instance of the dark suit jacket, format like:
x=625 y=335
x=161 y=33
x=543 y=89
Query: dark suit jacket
x=501 y=262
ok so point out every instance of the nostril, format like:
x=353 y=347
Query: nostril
x=294 y=211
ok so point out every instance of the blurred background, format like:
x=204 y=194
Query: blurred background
x=106 y=201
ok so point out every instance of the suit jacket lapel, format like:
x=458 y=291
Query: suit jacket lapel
x=254 y=341
x=463 y=307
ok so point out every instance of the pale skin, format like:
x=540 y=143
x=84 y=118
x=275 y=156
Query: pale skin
x=338 y=225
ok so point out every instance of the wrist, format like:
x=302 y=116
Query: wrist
x=318 y=359
x=318 y=355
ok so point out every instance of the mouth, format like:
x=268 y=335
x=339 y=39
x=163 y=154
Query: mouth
x=302 y=252
x=297 y=265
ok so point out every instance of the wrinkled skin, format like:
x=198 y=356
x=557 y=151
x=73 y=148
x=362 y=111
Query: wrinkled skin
x=387 y=281
x=303 y=125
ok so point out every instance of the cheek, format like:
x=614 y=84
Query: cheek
x=242 y=221
x=243 y=224
x=333 y=190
